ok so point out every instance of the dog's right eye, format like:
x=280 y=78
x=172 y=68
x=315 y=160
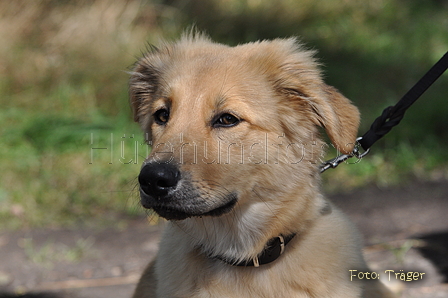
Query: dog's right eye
x=161 y=116
x=226 y=120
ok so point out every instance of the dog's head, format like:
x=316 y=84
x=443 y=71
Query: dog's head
x=233 y=125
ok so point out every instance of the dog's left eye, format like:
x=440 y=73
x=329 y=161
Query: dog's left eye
x=161 y=116
x=226 y=120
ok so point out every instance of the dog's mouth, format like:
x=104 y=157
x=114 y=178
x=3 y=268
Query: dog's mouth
x=178 y=213
x=181 y=210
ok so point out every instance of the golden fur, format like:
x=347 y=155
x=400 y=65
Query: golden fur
x=268 y=160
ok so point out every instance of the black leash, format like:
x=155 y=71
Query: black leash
x=391 y=116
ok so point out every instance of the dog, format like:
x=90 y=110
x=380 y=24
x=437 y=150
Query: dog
x=234 y=169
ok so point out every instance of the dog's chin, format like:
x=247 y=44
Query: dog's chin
x=179 y=213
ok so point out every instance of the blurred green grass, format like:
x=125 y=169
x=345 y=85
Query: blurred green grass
x=63 y=91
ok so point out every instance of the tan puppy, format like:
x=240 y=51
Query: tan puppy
x=234 y=168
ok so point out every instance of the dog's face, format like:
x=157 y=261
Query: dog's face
x=232 y=127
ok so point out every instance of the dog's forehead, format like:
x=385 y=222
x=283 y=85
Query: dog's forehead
x=201 y=72
x=216 y=80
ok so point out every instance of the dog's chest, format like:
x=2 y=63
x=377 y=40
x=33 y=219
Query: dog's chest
x=237 y=282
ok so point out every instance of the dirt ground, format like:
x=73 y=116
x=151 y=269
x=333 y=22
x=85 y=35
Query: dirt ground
x=404 y=228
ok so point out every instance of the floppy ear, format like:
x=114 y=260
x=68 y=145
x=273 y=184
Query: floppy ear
x=338 y=116
x=297 y=76
x=143 y=85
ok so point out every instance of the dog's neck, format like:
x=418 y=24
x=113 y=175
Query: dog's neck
x=273 y=249
x=245 y=234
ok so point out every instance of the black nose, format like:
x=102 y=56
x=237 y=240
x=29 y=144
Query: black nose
x=157 y=179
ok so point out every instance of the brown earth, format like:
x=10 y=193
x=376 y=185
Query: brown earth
x=405 y=229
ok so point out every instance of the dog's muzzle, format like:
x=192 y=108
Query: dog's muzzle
x=174 y=197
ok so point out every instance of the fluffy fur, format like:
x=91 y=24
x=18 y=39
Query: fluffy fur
x=268 y=160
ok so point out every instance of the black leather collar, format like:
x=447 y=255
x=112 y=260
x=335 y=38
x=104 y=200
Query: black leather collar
x=273 y=249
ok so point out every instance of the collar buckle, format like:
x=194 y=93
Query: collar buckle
x=256 y=262
x=282 y=244
x=274 y=249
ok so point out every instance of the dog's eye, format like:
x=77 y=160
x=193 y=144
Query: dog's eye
x=226 y=120
x=161 y=116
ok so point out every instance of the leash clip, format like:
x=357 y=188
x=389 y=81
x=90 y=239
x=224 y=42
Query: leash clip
x=356 y=152
x=334 y=162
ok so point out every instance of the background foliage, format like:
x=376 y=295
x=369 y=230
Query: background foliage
x=63 y=91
